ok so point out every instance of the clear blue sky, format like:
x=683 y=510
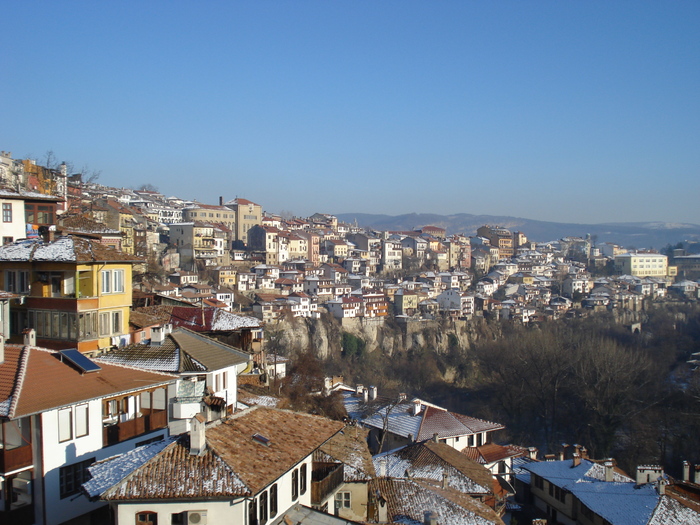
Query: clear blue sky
x=585 y=111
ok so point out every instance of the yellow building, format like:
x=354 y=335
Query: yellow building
x=76 y=292
x=643 y=265
x=248 y=214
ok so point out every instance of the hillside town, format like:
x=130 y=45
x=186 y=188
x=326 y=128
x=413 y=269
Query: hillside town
x=133 y=365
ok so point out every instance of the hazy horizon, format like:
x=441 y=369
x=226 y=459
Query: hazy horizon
x=565 y=112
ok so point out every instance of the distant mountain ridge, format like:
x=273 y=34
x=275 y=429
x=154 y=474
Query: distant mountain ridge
x=629 y=234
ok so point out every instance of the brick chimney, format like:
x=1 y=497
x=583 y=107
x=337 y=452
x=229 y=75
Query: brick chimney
x=575 y=460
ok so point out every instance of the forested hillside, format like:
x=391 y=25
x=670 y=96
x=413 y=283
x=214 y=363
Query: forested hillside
x=590 y=381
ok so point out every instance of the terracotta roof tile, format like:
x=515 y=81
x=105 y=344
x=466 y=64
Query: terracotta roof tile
x=408 y=500
x=176 y=474
x=234 y=464
x=350 y=448
x=293 y=436
x=46 y=382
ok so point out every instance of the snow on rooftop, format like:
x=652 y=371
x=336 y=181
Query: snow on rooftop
x=111 y=471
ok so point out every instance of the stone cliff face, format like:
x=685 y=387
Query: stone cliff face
x=323 y=336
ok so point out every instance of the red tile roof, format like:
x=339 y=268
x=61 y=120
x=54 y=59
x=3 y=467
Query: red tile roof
x=234 y=463
x=34 y=380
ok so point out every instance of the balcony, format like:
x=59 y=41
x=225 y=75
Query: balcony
x=118 y=432
x=325 y=478
x=15 y=458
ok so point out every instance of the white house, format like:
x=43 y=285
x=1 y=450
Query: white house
x=202 y=363
x=261 y=460
x=61 y=412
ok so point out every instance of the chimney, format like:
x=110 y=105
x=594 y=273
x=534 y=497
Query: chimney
x=372 y=393
x=29 y=337
x=575 y=460
x=402 y=396
x=415 y=409
x=435 y=438
x=608 y=470
x=661 y=486
x=584 y=452
x=158 y=334
x=221 y=201
x=49 y=235
x=696 y=474
x=359 y=389
x=2 y=349
x=327 y=385
x=550 y=457
x=686 y=471
x=560 y=455
x=648 y=473
x=532 y=453
x=382 y=467
x=365 y=395
x=430 y=517
x=198 y=440
x=445 y=480
x=382 y=509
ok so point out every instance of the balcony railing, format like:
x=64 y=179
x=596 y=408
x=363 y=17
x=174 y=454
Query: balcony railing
x=15 y=458
x=113 y=434
x=325 y=478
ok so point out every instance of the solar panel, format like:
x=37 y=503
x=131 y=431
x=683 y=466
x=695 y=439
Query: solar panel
x=79 y=360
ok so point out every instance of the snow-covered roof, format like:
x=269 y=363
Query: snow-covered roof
x=108 y=472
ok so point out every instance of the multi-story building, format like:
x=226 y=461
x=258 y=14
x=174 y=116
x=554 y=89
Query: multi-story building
x=77 y=292
x=24 y=213
x=499 y=237
x=248 y=214
x=210 y=214
x=63 y=413
x=641 y=264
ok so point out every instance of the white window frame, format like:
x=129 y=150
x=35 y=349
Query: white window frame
x=112 y=281
x=65 y=426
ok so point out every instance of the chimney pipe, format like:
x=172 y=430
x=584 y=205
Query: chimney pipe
x=435 y=438
x=221 y=201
